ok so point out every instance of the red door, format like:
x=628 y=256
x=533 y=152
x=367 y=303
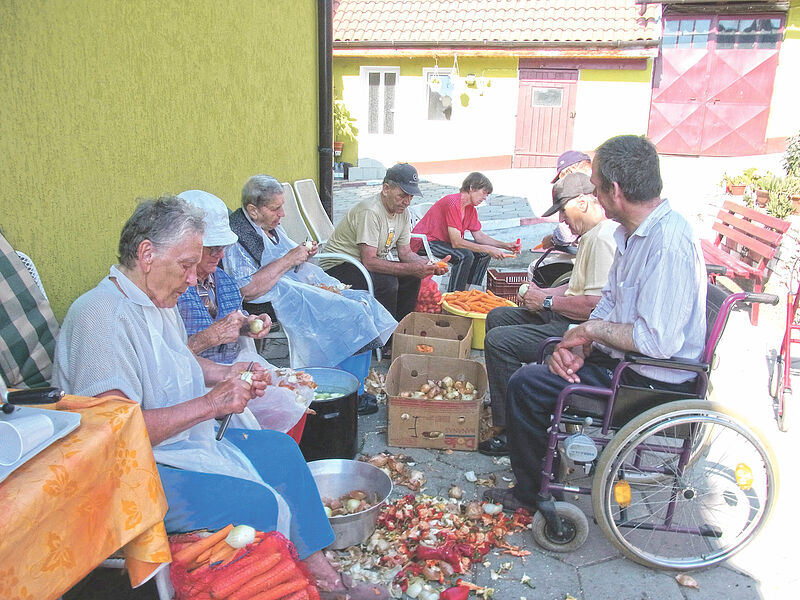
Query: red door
x=712 y=84
x=545 y=116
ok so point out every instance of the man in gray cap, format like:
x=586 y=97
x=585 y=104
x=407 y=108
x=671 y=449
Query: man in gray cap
x=371 y=231
x=571 y=161
x=513 y=334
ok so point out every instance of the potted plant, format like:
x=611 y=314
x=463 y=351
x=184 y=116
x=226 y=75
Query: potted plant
x=768 y=187
x=791 y=158
x=343 y=128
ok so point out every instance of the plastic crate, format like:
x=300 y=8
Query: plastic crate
x=505 y=283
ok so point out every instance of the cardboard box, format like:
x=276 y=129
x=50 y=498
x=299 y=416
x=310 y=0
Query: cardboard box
x=443 y=424
x=449 y=335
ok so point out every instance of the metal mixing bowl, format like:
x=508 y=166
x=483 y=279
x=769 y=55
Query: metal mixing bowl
x=337 y=477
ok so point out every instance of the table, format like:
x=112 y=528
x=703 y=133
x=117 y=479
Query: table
x=80 y=500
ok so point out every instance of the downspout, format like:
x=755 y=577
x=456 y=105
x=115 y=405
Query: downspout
x=325 y=148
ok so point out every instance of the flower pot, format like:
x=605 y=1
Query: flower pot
x=337 y=148
x=762 y=197
x=736 y=190
x=796 y=204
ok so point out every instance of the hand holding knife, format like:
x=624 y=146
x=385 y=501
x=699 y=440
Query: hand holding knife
x=245 y=376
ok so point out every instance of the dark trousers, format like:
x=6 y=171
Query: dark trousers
x=398 y=294
x=466 y=267
x=512 y=337
x=532 y=394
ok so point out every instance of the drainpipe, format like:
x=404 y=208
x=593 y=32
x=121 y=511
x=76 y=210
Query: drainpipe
x=325 y=148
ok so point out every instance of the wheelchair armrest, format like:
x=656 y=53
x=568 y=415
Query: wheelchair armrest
x=681 y=364
x=543 y=345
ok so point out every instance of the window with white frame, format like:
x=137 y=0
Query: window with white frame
x=381 y=83
x=440 y=91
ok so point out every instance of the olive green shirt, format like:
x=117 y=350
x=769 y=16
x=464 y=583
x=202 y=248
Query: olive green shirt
x=368 y=223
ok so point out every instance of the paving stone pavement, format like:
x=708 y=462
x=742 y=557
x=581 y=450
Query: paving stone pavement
x=763 y=570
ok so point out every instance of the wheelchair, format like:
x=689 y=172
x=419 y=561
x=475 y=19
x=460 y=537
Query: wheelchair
x=679 y=482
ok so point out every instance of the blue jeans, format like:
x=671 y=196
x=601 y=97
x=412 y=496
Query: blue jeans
x=210 y=501
x=466 y=267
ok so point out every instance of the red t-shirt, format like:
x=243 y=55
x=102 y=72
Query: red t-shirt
x=445 y=213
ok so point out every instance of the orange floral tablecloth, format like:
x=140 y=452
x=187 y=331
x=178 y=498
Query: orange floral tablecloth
x=80 y=500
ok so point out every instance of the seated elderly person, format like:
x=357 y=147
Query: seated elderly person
x=445 y=224
x=212 y=309
x=324 y=322
x=373 y=230
x=125 y=338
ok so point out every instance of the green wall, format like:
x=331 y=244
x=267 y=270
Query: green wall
x=105 y=101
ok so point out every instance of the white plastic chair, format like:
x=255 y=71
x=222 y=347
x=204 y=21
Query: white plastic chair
x=312 y=210
x=293 y=223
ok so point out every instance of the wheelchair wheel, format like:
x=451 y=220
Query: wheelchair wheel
x=561 y=279
x=707 y=505
x=575 y=529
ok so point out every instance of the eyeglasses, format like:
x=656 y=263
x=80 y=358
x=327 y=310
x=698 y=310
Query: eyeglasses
x=216 y=250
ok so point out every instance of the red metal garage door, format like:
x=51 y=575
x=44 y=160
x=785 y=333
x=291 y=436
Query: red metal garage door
x=712 y=84
x=545 y=116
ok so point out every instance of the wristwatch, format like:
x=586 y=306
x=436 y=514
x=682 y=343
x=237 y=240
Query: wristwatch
x=547 y=304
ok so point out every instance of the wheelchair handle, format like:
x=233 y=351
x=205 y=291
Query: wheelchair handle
x=761 y=298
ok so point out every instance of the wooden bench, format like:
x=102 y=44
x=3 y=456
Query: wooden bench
x=746 y=242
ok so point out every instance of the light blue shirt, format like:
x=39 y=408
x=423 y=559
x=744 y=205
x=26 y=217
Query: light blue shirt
x=658 y=283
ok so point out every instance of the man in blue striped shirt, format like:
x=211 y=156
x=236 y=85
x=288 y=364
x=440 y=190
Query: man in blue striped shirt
x=654 y=304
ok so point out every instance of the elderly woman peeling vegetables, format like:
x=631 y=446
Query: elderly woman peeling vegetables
x=324 y=327
x=126 y=338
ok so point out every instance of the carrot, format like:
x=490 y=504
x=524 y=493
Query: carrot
x=283 y=572
x=282 y=590
x=223 y=554
x=313 y=593
x=232 y=557
x=191 y=552
x=239 y=577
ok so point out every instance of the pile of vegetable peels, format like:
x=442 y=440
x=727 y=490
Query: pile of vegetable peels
x=422 y=542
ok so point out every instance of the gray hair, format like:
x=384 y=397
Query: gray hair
x=632 y=162
x=260 y=190
x=164 y=221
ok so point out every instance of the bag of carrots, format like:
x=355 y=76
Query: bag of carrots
x=210 y=568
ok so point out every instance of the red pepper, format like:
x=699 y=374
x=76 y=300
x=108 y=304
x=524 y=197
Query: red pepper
x=454 y=593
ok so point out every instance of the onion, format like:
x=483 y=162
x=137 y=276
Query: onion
x=492 y=509
x=414 y=588
x=455 y=492
x=256 y=326
x=328 y=511
x=352 y=505
x=523 y=289
x=240 y=536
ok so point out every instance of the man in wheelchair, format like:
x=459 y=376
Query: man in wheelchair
x=653 y=304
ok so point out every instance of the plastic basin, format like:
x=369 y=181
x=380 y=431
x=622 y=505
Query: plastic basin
x=478 y=322
x=338 y=477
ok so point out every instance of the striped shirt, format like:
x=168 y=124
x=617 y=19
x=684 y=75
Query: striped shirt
x=658 y=283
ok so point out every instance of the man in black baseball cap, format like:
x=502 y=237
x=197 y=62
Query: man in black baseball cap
x=405 y=176
x=374 y=229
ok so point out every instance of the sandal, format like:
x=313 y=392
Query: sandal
x=356 y=591
x=505 y=496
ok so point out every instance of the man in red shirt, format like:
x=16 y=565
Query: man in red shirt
x=445 y=224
